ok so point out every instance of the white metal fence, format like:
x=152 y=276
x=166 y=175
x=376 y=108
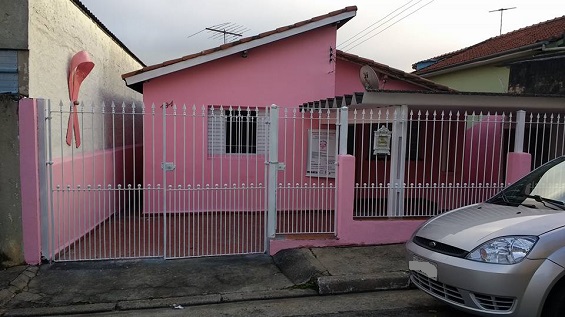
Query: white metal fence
x=308 y=145
x=182 y=181
x=440 y=160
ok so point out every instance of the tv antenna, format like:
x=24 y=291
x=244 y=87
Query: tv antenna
x=501 y=11
x=228 y=31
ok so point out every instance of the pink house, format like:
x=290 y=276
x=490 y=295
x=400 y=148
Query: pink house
x=267 y=143
x=284 y=67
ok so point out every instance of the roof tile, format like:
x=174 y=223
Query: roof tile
x=393 y=72
x=241 y=41
x=524 y=37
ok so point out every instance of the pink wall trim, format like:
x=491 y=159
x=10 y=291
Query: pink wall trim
x=350 y=231
x=519 y=164
x=29 y=177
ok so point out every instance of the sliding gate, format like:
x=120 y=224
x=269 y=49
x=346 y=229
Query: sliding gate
x=134 y=181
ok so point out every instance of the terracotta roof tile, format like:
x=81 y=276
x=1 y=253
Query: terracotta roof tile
x=393 y=72
x=241 y=41
x=524 y=37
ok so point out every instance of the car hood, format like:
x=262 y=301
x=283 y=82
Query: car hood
x=470 y=226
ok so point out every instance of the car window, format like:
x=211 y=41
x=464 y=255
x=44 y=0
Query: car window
x=546 y=182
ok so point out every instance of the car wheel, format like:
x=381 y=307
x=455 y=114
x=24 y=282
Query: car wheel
x=555 y=303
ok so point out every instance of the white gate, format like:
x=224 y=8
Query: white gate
x=135 y=181
x=129 y=181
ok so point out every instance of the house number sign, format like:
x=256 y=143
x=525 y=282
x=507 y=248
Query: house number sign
x=381 y=141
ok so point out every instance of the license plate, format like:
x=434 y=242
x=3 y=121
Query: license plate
x=424 y=267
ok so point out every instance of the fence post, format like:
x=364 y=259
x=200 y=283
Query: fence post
x=273 y=163
x=45 y=159
x=520 y=131
x=397 y=166
x=518 y=163
x=30 y=181
x=343 y=127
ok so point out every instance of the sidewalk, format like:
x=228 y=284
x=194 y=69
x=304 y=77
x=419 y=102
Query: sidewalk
x=87 y=287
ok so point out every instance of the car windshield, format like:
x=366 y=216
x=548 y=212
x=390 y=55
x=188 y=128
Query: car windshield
x=545 y=185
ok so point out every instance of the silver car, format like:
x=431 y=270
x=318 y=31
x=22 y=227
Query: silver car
x=503 y=257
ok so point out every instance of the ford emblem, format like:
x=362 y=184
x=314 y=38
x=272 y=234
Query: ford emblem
x=432 y=244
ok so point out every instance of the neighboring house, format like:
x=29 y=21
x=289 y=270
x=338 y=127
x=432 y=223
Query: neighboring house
x=37 y=41
x=528 y=60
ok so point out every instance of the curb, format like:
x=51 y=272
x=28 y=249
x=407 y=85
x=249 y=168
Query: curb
x=328 y=285
x=63 y=310
x=171 y=302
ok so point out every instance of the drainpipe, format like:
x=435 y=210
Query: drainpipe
x=551 y=49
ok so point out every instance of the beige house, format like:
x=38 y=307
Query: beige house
x=529 y=60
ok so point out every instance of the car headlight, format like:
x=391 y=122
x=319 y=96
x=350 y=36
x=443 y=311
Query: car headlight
x=503 y=250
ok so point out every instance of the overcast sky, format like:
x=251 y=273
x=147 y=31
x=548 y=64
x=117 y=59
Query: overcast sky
x=159 y=30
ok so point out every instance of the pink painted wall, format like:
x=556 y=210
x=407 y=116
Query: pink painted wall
x=347 y=80
x=483 y=145
x=29 y=164
x=287 y=73
x=88 y=189
x=518 y=165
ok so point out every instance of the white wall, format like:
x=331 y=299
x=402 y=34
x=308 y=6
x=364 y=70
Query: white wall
x=57 y=30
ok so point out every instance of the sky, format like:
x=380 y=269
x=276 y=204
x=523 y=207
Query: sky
x=397 y=33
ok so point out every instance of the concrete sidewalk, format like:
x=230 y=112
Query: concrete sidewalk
x=87 y=287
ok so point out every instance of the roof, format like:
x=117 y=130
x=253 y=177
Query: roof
x=87 y=12
x=522 y=39
x=393 y=72
x=336 y=102
x=441 y=100
x=478 y=102
x=135 y=79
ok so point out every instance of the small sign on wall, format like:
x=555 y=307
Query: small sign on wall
x=322 y=153
x=381 y=141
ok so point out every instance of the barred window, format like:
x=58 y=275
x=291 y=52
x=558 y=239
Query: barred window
x=236 y=130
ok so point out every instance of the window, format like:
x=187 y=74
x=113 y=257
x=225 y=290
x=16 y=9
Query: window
x=236 y=131
x=8 y=72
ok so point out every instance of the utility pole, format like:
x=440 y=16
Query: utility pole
x=501 y=11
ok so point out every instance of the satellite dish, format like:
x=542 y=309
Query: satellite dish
x=369 y=78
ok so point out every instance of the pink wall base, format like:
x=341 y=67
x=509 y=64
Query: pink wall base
x=518 y=165
x=29 y=177
x=350 y=231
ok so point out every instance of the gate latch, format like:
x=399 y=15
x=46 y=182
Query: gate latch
x=280 y=166
x=168 y=166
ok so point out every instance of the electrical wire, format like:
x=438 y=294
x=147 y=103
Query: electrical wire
x=404 y=17
x=354 y=36
x=380 y=25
